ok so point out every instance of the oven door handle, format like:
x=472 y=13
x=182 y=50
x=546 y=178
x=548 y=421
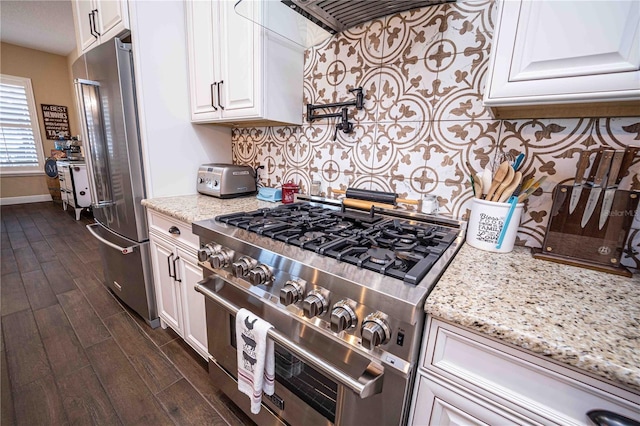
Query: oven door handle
x=368 y=384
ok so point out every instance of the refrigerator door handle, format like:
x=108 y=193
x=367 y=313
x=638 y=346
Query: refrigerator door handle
x=96 y=202
x=123 y=250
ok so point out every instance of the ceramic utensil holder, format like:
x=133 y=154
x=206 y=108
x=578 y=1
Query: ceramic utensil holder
x=485 y=224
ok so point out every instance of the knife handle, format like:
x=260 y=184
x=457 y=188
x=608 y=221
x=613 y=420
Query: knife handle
x=594 y=166
x=614 y=170
x=629 y=155
x=583 y=162
x=603 y=167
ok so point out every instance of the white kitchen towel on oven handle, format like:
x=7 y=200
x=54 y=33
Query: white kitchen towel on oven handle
x=256 y=363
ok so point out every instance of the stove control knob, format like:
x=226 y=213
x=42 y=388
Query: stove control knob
x=221 y=259
x=342 y=317
x=243 y=265
x=261 y=274
x=291 y=292
x=314 y=304
x=209 y=249
x=375 y=331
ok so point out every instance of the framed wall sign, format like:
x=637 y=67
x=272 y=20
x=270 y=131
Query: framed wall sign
x=56 y=121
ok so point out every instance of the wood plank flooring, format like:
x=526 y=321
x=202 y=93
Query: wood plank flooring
x=72 y=353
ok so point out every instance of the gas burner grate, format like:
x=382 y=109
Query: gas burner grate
x=399 y=248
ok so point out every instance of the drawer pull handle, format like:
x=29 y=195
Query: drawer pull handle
x=174 y=230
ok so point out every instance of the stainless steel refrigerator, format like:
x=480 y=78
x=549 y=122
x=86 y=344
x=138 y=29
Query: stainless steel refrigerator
x=105 y=89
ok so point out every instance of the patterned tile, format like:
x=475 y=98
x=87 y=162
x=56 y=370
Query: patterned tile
x=399 y=149
x=318 y=58
x=409 y=35
x=462 y=86
x=406 y=93
x=424 y=129
x=245 y=145
x=469 y=24
x=361 y=45
x=354 y=151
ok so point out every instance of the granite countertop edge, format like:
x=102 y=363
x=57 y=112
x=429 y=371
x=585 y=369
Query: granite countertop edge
x=509 y=300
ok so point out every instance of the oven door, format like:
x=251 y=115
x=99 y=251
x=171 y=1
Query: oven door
x=330 y=385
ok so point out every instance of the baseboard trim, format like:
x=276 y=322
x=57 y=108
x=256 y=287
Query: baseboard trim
x=6 y=201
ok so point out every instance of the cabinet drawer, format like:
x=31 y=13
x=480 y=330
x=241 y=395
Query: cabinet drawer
x=161 y=224
x=438 y=403
x=550 y=392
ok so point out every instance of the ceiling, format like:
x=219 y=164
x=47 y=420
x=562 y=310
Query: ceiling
x=45 y=25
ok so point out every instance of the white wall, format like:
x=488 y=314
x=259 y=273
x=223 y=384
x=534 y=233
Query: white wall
x=173 y=148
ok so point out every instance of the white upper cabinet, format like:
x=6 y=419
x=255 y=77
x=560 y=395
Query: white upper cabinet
x=559 y=52
x=240 y=73
x=99 y=20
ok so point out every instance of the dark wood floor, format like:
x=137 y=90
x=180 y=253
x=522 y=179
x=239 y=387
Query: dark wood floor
x=71 y=353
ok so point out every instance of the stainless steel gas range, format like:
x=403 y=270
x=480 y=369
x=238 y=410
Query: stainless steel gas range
x=344 y=290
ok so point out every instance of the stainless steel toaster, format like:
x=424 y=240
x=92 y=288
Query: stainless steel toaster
x=226 y=180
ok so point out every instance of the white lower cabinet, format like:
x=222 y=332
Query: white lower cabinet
x=467 y=378
x=175 y=273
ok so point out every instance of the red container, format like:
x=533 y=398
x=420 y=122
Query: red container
x=288 y=191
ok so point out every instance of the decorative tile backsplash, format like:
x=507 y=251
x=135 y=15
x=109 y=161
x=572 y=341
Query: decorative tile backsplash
x=423 y=73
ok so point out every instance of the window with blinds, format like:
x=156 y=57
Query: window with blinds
x=20 y=143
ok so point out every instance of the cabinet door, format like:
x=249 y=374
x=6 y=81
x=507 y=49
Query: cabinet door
x=195 y=321
x=546 y=52
x=239 y=55
x=201 y=30
x=113 y=16
x=168 y=298
x=84 y=24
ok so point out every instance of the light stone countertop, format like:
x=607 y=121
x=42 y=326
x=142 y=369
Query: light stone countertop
x=191 y=208
x=583 y=318
x=587 y=319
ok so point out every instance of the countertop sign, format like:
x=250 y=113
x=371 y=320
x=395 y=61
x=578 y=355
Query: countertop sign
x=56 y=121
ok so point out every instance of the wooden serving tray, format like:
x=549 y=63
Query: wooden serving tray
x=566 y=241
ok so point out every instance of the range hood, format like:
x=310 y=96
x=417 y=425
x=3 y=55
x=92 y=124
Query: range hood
x=310 y=22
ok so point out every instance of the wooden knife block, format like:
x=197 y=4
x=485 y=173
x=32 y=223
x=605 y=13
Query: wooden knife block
x=600 y=249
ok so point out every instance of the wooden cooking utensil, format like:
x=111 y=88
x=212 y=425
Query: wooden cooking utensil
x=364 y=204
x=524 y=195
x=499 y=176
x=477 y=186
x=486 y=180
x=508 y=191
x=505 y=182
